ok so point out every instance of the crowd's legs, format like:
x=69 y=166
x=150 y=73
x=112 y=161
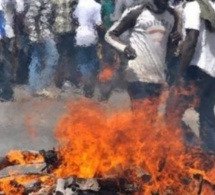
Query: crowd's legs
x=110 y=62
x=206 y=111
x=43 y=65
x=23 y=59
x=199 y=92
x=6 y=71
x=140 y=91
x=88 y=66
x=66 y=70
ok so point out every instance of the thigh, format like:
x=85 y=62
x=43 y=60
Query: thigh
x=141 y=91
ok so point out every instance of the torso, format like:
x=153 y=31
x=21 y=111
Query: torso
x=149 y=38
x=86 y=33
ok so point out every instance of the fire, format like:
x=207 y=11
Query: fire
x=106 y=74
x=22 y=158
x=108 y=71
x=95 y=143
x=137 y=145
x=19 y=184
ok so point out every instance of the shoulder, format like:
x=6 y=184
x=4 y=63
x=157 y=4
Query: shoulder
x=133 y=11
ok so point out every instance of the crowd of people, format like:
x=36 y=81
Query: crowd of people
x=149 y=43
x=60 y=41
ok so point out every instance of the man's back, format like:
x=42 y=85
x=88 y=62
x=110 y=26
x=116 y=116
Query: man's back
x=88 y=14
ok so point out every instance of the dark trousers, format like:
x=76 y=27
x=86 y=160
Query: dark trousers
x=141 y=91
x=66 y=69
x=88 y=67
x=173 y=63
x=199 y=87
x=6 y=72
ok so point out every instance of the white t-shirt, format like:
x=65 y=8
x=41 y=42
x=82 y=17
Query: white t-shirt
x=204 y=56
x=149 y=38
x=88 y=14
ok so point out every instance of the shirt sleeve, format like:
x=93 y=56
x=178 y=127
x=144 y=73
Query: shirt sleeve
x=127 y=21
x=192 y=18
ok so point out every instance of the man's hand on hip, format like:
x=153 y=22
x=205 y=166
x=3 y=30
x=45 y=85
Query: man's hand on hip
x=130 y=53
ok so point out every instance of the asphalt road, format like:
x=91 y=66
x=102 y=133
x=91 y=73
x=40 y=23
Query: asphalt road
x=29 y=122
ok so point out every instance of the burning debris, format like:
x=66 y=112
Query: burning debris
x=113 y=153
x=133 y=181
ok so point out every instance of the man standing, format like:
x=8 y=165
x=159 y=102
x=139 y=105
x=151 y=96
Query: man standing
x=64 y=32
x=8 y=9
x=88 y=15
x=45 y=55
x=151 y=25
x=198 y=52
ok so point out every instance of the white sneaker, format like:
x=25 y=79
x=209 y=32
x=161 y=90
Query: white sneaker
x=44 y=93
x=66 y=85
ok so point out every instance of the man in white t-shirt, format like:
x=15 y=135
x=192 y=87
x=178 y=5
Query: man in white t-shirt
x=198 y=67
x=88 y=16
x=151 y=25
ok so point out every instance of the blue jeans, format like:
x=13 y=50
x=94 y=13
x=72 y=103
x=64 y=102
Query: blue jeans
x=88 y=67
x=43 y=64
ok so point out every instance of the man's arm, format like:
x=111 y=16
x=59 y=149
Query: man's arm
x=126 y=22
x=188 y=48
x=175 y=35
x=192 y=24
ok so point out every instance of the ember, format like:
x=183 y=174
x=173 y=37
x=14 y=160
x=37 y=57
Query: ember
x=125 y=152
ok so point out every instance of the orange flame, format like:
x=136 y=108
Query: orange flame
x=136 y=145
x=17 y=184
x=94 y=143
x=106 y=74
x=23 y=158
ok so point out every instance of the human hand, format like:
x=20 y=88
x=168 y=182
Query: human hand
x=130 y=53
x=175 y=37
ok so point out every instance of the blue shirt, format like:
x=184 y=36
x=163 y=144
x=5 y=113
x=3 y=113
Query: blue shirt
x=2 y=25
